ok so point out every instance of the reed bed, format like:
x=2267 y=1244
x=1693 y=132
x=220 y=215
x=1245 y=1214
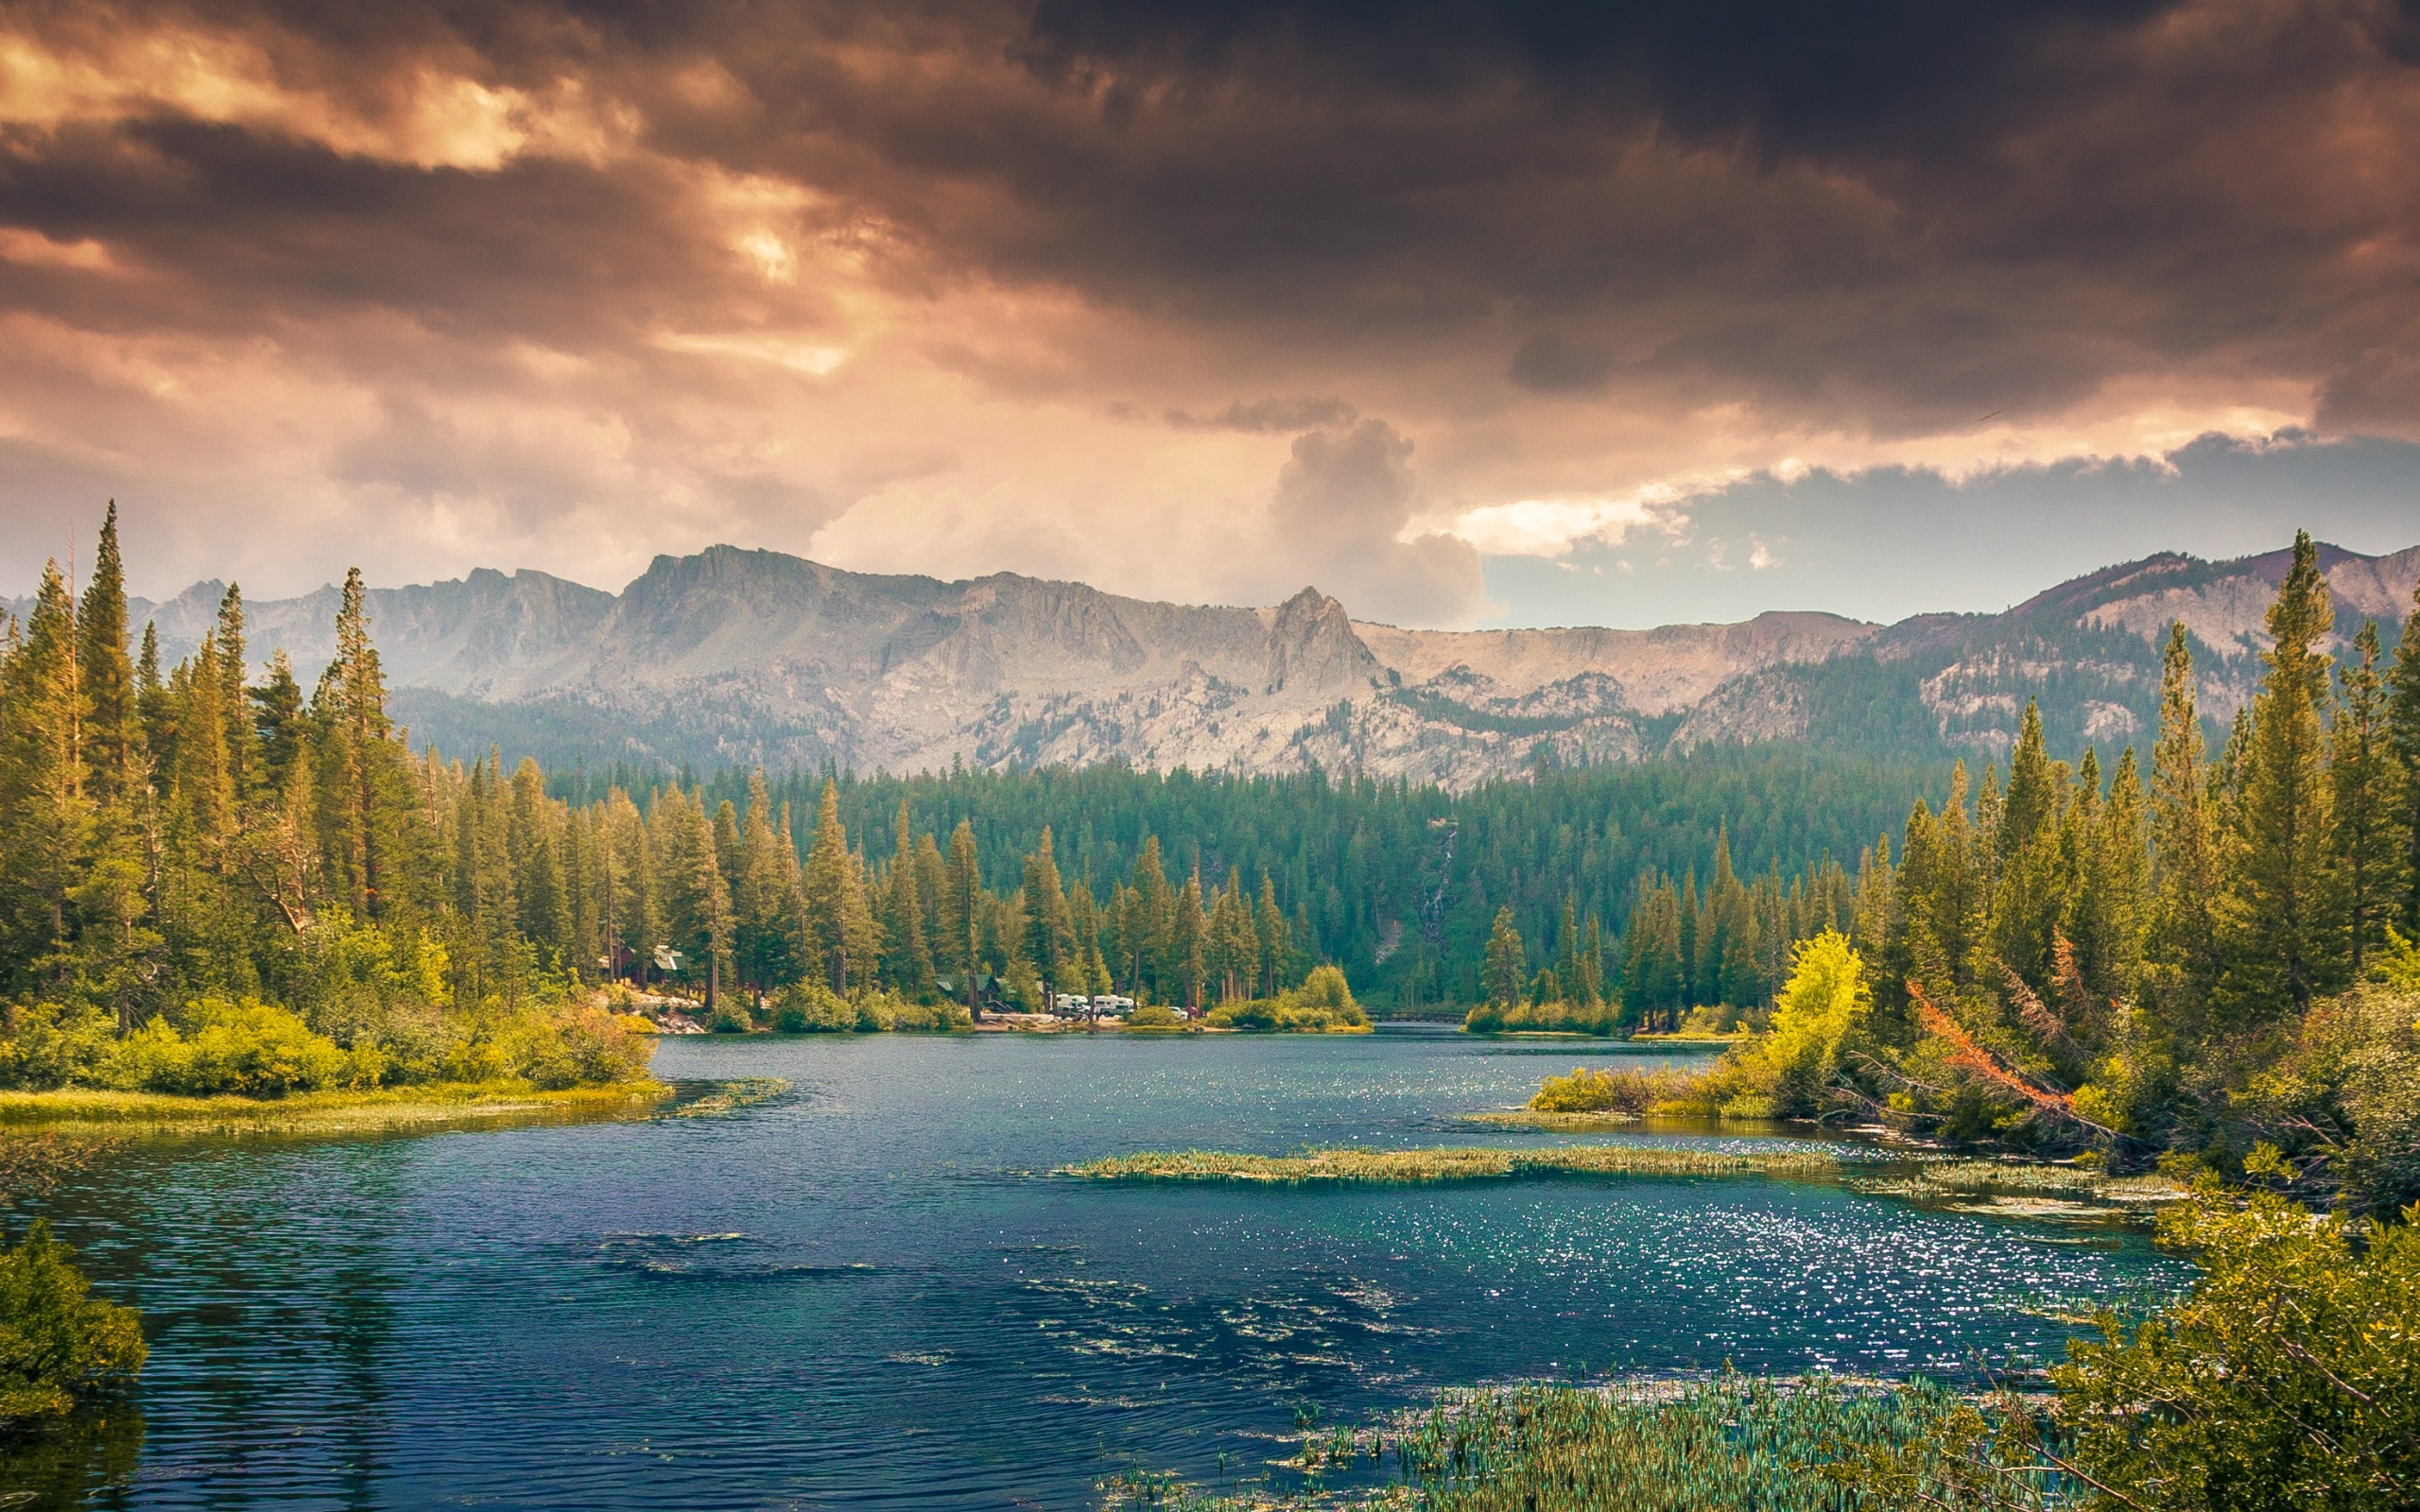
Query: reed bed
x=1959 y=1178
x=1779 y=1445
x=1551 y=1123
x=1345 y=1164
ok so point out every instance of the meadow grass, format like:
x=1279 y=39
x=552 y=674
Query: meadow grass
x=313 y=1113
x=1445 y=1163
x=1734 y=1441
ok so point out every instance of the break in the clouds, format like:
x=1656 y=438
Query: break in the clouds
x=1442 y=307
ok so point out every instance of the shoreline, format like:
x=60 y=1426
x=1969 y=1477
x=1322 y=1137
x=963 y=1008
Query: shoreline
x=91 y=1108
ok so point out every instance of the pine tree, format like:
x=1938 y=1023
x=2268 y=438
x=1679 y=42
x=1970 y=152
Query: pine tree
x=2403 y=734
x=962 y=911
x=2181 y=949
x=243 y=759
x=113 y=729
x=833 y=900
x=545 y=902
x=1275 y=940
x=1185 y=957
x=910 y=963
x=2275 y=908
x=2366 y=803
x=45 y=816
x=276 y=718
x=1508 y=968
x=1049 y=934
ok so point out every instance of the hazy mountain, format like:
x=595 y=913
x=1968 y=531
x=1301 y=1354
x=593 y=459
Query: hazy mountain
x=749 y=657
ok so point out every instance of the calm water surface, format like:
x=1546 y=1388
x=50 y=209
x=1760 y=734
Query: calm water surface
x=865 y=1293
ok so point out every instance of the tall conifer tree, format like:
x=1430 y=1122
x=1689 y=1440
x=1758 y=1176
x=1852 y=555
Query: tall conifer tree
x=2280 y=948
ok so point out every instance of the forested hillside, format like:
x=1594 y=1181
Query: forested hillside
x=188 y=835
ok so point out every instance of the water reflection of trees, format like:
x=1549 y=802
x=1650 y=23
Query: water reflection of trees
x=84 y=1460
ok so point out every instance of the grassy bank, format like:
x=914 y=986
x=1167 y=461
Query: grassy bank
x=322 y=1111
x=1785 y=1446
x=1442 y=1164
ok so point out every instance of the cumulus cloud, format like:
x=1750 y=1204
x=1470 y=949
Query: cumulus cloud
x=1340 y=508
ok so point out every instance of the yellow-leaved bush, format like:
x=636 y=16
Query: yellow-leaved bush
x=1820 y=1013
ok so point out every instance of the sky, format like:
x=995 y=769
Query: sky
x=1468 y=313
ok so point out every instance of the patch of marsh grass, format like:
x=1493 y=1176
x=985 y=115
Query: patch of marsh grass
x=76 y=1107
x=1732 y=1442
x=1449 y=1163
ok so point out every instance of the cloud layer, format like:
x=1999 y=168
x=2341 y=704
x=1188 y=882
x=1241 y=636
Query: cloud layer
x=1198 y=302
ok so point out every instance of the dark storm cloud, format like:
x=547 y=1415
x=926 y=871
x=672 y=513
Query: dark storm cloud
x=620 y=253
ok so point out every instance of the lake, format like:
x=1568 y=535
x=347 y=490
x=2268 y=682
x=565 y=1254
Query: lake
x=868 y=1291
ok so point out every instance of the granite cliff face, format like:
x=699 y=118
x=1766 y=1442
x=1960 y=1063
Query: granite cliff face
x=748 y=657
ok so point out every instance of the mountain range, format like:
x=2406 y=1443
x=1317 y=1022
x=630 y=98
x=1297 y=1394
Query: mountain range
x=738 y=657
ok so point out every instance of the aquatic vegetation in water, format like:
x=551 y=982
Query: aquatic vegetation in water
x=1787 y=1445
x=1444 y=1165
x=734 y=1095
x=1954 y=1178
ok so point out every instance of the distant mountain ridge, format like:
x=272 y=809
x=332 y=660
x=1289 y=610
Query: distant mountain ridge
x=744 y=657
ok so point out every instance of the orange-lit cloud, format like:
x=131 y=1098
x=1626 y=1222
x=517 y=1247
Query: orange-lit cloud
x=1190 y=303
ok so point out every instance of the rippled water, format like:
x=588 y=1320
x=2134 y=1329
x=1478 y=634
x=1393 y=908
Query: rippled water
x=864 y=1293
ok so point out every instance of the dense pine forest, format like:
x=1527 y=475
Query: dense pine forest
x=2204 y=959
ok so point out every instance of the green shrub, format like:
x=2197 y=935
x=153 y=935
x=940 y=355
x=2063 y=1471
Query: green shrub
x=731 y=1016
x=54 y=1046
x=1152 y=1016
x=1322 y=1003
x=811 y=1007
x=57 y=1345
x=247 y=1047
x=1626 y=1091
x=1598 y=1018
x=2289 y=1377
x=2344 y=1102
x=577 y=1047
x=1820 y=1012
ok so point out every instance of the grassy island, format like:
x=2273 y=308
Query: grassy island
x=1442 y=1164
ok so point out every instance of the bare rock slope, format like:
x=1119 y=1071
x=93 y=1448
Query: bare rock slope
x=733 y=656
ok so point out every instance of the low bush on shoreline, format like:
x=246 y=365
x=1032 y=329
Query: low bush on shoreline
x=811 y=1007
x=1323 y=1005
x=248 y=1048
x=1628 y=1089
x=1600 y=1018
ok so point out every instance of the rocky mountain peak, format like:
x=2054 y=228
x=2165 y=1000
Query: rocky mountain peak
x=1313 y=650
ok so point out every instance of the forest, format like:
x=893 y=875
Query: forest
x=2064 y=948
x=2207 y=962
